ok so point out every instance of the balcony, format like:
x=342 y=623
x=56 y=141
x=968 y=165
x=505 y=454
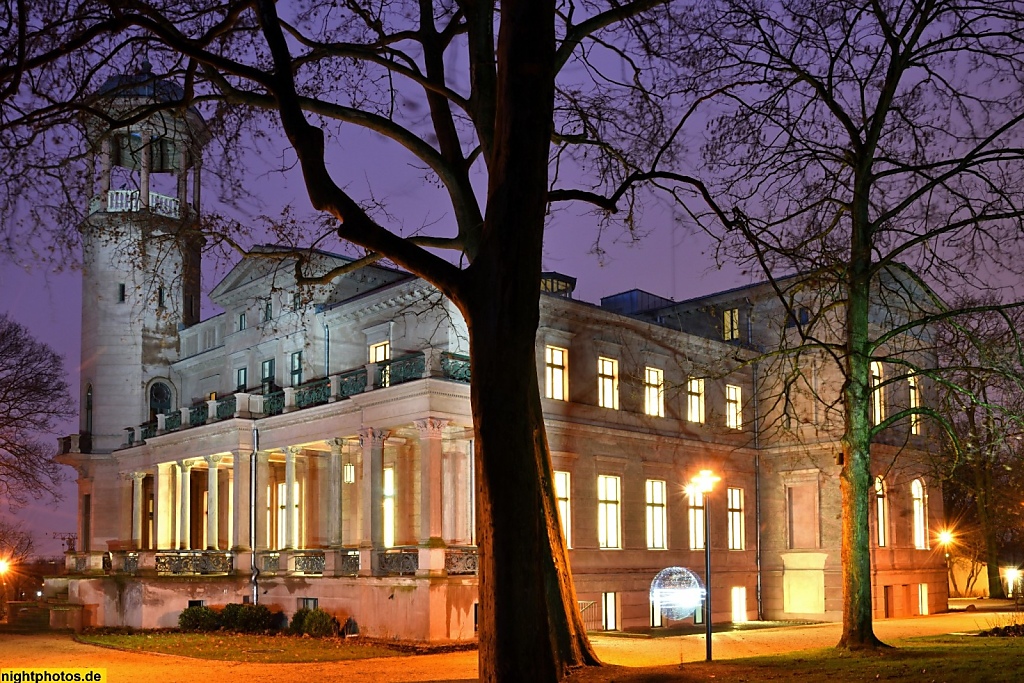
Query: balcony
x=317 y=392
x=127 y=201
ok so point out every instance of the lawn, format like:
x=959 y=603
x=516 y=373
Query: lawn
x=938 y=659
x=238 y=647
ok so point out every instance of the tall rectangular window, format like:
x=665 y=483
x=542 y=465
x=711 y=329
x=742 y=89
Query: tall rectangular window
x=268 y=310
x=609 y=611
x=379 y=353
x=695 y=400
x=241 y=379
x=121 y=294
x=877 y=397
x=695 y=515
x=268 y=376
x=388 y=500
x=608 y=383
x=296 y=368
x=656 y=620
x=562 y=493
x=609 y=501
x=241 y=321
x=880 y=516
x=914 y=403
x=556 y=373
x=733 y=407
x=161 y=297
x=802 y=511
x=654 y=392
x=737 y=532
x=922 y=598
x=657 y=523
x=920 y=513
x=731 y=324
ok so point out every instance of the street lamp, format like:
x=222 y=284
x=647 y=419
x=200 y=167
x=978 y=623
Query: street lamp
x=945 y=540
x=703 y=483
x=5 y=567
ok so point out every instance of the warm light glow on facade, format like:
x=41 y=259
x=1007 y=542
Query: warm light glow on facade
x=654 y=392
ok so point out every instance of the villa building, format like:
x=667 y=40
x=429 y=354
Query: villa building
x=318 y=438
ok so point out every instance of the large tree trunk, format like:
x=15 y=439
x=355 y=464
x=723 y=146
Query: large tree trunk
x=982 y=498
x=856 y=444
x=530 y=625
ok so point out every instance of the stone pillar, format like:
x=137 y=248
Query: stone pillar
x=212 y=502
x=262 y=482
x=147 y=163
x=137 y=512
x=290 y=518
x=163 y=513
x=185 y=500
x=334 y=493
x=240 y=501
x=183 y=180
x=430 y=539
x=197 y=167
x=371 y=498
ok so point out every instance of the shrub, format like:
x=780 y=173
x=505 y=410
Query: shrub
x=255 y=618
x=319 y=624
x=229 y=616
x=200 y=618
x=298 y=619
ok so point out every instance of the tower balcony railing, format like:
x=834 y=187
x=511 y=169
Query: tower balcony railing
x=127 y=201
x=272 y=400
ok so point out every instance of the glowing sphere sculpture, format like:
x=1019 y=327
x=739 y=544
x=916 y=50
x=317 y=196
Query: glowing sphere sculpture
x=678 y=592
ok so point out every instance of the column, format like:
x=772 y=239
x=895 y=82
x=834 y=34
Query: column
x=147 y=163
x=212 y=501
x=334 y=493
x=185 y=499
x=195 y=183
x=183 y=180
x=371 y=497
x=431 y=453
x=262 y=482
x=105 y=163
x=289 y=497
x=163 y=512
x=240 y=500
x=137 y=511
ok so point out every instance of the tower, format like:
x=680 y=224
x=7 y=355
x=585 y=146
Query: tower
x=141 y=253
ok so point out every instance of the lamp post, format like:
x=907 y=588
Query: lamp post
x=5 y=566
x=703 y=483
x=945 y=540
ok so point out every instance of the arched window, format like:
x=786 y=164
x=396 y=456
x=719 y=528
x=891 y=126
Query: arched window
x=159 y=399
x=880 y=510
x=920 y=514
x=88 y=409
x=877 y=397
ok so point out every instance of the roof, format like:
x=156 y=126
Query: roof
x=142 y=84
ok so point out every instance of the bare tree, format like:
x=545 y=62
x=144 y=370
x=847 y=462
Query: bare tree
x=487 y=101
x=983 y=403
x=33 y=397
x=846 y=138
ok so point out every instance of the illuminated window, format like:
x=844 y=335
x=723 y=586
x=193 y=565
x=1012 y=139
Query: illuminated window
x=920 y=511
x=349 y=473
x=388 y=496
x=556 y=373
x=695 y=400
x=733 y=410
x=922 y=598
x=609 y=500
x=297 y=368
x=657 y=522
x=739 y=604
x=731 y=324
x=562 y=491
x=608 y=383
x=914 y=403
x=880 y=513
x=737 y=538
x=656 y=620
x=877 y=398
x=654 y=392
x=380 y=353
x=609 y=611
x=695 y=511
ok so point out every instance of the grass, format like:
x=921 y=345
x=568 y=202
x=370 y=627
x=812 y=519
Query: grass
x=938 y=659
x=238 y=647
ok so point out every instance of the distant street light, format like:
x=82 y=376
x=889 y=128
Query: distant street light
x=703 y=483
x=5 y=567
x=946 y=539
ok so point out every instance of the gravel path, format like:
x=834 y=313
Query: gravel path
x=60 y=650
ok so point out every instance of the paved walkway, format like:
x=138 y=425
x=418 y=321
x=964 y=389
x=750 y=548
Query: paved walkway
x=60 y=650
